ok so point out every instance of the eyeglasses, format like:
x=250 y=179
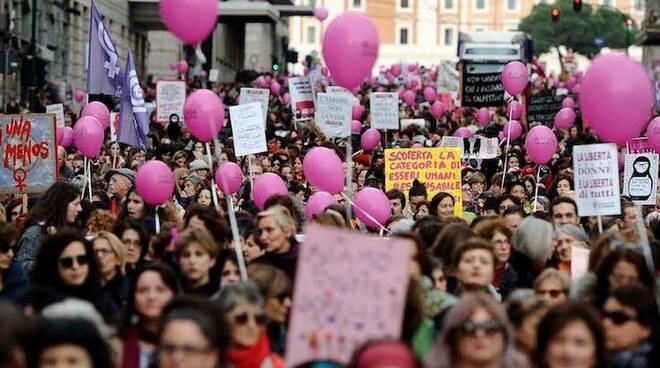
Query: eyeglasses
x=186 y=350
x=67 y=262
x=617 y=317
x=554 y=293
x=243 y=318
x=489 y=328
x=103 y=252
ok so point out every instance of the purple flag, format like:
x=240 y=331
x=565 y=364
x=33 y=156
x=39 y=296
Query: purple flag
x=103 y=69
x=133 y=121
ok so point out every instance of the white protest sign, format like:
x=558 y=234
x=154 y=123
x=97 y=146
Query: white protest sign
x=596 y=170
x=478 y=148
x=579 y=262
x=260 y=95
x=170 y=97
x=58 y=110
x=333 y=114
x=302 y=99
x=247 y=127
x=213 y=75
x=338 y=89
x=640 y=178
x=408 y=122
x=384 y=109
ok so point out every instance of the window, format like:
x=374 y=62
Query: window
x=311 y=35
x=608 y=3
x=357 y=3
x=480 y=4
x=639 y=5
x=511 y=5
x=448 y=37
x=404 y=4
x=403 y=35
x=448 y=4
x=311 y=3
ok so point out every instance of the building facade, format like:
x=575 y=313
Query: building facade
x=426 y=31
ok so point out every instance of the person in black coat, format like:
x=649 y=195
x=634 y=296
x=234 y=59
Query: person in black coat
x=13 y=282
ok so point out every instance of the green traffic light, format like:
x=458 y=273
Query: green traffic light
x=276 y=67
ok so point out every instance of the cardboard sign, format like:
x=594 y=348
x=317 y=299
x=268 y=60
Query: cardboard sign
x=333 y=114
x=248 y=129
x=439 y=169
x=58 y=110
x=350 y=289
x=596 y=170
x=260 y=95
x=384 y=110
x=478 y=148
x=408 y=122
x=302 y=99
x=481 y=89
x=213 y=75
x=28 y=149
x=114 y=126
x=640 y=178
x=543 y=109
x=170 y=97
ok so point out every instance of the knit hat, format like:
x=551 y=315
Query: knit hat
x=199 y=165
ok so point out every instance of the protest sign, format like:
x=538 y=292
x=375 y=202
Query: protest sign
x=114 y=126
x=640 y=178
x=260 y=95
x=596 y=170
x=248 y=129
x=28 y=149
x=333 y=114
x=58 y=110
x=639 y=145
x=337 y=89
x=302 y=99
x=213 y=75
x=579 y=262
x=350 y=289
x=447 y=81
x=384 y=109
x=475 y=147
x=170 y=97
x=482 y=87
x=408 y=122
x=438 y=168
x=543 y=109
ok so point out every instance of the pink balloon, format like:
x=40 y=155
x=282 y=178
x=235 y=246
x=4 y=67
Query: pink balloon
x=514 y=110
x=653 y=133
x=275 y=88
x=412 y=68
x=78 y=95
x=88 y=136
x=321 y=13
x=370 y=139
x=325 y=72
x=174 y=66
x=501 y=136
x=408 y=97
x=483 y=117
x=375 y=203
x=437 y=109
x=182 y=67
x=541 y=144
x=229 y=177
x=357 y=112
x=516 y=129
x=429 y=94
x=323 y=168
x=565 y=118
x=154 y=182
x=67 y=137
x=204 y=114
x=616 y=98
x=576 y=89
x=568 y=102
x=412 y=84
x=463 y=132
x=317 y=203
x=59 y=133
x=99 y=111
x=395 y=70
x=356 y=127
x=191 y=21
x=286 y=99
x=350 y=48
x=515 y=77
x=265 y=186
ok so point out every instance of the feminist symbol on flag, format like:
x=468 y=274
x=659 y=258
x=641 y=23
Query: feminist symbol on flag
x=106 y=44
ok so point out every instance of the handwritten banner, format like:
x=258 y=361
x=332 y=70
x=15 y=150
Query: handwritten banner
x=248 y=129
x=543 y=109
x=170 y=97
x=260 y=95
x=596 y=170
x=481 y=89
x=337 y=89
x=384 y=109
x=640 y=178
x=29 y=153
x=350 y=289
x=438 y=168
x=333 y=114
x=302 y=99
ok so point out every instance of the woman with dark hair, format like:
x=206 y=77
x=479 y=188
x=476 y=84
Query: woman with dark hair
x=229 y=270
x=207 y=218
x=474 y=267
x=570 y=335
x=134 y=207
x=152 y=288
x=58 y=207
x=623 y=266
x=13 y=282
x=442 y=205
x=197 y=254
x=66 y=264
x=499 y=235
x=561 y=186
x=204 y=197
x=135 y=236
x=525 y=311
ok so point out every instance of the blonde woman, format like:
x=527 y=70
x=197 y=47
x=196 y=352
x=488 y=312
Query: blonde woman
x=110 y=255
x=278 y=238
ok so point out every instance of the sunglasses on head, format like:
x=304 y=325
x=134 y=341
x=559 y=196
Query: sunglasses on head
x=67 y=262
x=618 y=318
x=243 y=318
x=489 y=327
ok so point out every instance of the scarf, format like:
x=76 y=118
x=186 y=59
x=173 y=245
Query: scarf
x=253 y=356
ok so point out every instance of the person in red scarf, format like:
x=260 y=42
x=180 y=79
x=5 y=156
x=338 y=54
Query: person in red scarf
x=243 y=308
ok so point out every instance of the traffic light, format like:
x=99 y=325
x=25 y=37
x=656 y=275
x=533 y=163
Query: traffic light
x=555 y=14
x=276 y=67
x=577 y=6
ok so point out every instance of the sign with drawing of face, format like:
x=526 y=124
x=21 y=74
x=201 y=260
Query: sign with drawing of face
x=640 y=178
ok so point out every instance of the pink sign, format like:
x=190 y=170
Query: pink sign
x=350 y=289
x=639 y=145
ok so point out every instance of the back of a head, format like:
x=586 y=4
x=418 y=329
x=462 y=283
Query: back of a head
x=448 y=239
x=381 y=354
x=532 y=238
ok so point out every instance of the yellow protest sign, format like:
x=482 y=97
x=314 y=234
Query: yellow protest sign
x=439 y=169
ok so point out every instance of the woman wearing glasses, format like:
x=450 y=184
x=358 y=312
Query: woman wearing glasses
x=499 y=235
x=552 y=285
x=476 y=333
x=111 y=259
x=243 y=308
x=65 y=263
x=135 y=237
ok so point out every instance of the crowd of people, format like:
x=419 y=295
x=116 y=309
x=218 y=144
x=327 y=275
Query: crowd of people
x=89 y=282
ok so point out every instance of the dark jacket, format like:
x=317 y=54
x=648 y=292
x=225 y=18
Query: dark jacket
x=28 y=245
x=14 y=284
x=117 y=290
x=287 y=262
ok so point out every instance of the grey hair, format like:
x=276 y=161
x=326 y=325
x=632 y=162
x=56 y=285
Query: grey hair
x=231 y=295
x=532 y=238
x=553 y=273
x=76 y=308
x=571 y=230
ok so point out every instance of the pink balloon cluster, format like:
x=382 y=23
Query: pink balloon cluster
x=463 y=132
x=321 y=13
x=154 y=182
x=653 y=133
x=437 y=109
x=99 y=111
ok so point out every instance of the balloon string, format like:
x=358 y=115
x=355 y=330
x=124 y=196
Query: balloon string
x=349 y=176
x=214 y=194
x=89 y=178
x=82 y=195
x=508 y=140
x=235 y=234
x=382 y=228
x=157 y=218
x=536 y=190
x=357 y=153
